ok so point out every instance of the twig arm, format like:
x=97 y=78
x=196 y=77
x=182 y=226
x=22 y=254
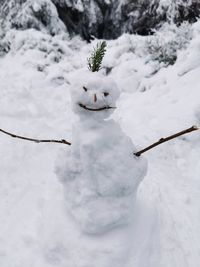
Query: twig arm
x=163 y=140
x=36 y=140
x=139 y=153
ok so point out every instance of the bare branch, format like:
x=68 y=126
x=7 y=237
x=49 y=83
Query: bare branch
x=163 y=140
x=139 y=153
x=35 y=140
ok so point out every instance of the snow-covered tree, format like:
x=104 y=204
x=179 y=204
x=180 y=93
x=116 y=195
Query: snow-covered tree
x=100 y=18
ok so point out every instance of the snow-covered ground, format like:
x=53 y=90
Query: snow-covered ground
x=35 y=229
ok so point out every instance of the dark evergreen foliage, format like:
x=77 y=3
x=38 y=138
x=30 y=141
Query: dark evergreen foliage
x=95 y=61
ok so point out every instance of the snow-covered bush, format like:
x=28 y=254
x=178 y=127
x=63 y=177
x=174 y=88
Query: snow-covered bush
x=40 y=15
x=177 y=11
x=189 y=59
x=4 y=48
x=162 y=51
x=32 y=40
x=164 y=45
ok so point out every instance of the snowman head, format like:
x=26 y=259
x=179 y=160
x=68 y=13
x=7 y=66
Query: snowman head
x=94 y=95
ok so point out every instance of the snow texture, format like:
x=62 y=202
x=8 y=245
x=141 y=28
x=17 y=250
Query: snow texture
x=100 y=175
x=155 y=101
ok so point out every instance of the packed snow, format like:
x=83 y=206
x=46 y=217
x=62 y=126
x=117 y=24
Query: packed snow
x=100 y=173
x=155 y=100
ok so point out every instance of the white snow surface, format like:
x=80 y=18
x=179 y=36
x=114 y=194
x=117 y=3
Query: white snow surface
x=35 y=228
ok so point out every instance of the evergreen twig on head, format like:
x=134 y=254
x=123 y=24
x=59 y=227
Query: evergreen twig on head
x=94 y=62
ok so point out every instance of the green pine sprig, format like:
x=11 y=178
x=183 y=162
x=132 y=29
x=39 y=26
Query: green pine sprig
x=95 y=61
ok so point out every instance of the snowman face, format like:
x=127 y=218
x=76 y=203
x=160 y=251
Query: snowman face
x=95 y=96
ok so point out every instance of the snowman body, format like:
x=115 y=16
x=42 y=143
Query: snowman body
x=100 y=173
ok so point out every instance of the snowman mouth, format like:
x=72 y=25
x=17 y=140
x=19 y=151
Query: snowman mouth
x=95 y=109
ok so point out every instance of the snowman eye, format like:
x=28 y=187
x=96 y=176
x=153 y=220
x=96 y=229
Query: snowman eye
x=85 y=89
x=106 y=94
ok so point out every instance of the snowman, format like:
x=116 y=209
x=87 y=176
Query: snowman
x=100 y=173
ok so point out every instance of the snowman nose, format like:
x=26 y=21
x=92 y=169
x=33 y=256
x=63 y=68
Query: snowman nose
x=95 y=98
